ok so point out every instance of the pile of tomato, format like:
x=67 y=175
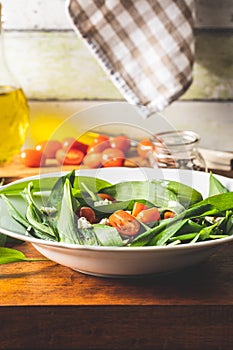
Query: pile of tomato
x=104 y=151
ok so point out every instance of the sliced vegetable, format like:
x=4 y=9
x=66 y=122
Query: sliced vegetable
x=32 y=158
x=149 y=215
x=125 y=223
x=49 y=147
x=88 y=214
x=113 y=157
x=120 y=142
x=93 y=160
x=70 y=157
x=70 y=143
x=138 y=207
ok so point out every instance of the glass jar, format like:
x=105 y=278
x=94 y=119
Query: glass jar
x=177 y=149
x=14 y=110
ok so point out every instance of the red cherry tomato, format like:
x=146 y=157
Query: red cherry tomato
x=93 y=160
x=49 y=147
x=106 y=196
x=70 y=143
x=98 y=147
x=138 y=207
x=87 y=213
x=32 y=158
x=121 y=142
x=169 y=214
x=149 y=215
x=144 y=147
x=113 y=157
x=72 y=157
x=100 y=138
x=125 y=223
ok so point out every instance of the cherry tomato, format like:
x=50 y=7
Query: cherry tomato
x=144 y=147
x=70 y=143
x=125 y=223
x=32 y=158
x=106 y=196
x=87 y=213
x=98 y=147
x=121 y=142
x=169 y=214
x=72 y=157
x=100 y=138
x=149 y=215
x=49 y=147
x=138 y=207
x=113 y=157
x=93 y=160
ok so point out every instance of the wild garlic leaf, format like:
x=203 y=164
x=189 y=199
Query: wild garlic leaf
x=66 y=218
x=57 y=191
x=39 y=185
x=41 y=228
x=15 y=214
x=9 y=255
x=158 y=192
x=107 y=235
x=215 y=186
x=87 y=236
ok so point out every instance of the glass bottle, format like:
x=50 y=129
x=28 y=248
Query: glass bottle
x=177 y=149
x=14 y=110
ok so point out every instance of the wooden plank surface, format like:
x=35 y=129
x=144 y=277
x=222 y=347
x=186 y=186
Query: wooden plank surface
x=54 y=307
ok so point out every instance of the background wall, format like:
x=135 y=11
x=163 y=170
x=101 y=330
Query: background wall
x=60 y=76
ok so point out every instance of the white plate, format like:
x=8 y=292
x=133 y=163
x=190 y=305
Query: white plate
x=123 y=261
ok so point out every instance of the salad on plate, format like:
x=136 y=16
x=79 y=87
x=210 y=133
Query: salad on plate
x=90 y=211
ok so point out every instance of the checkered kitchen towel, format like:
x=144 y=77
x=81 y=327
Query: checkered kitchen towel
x=146 y=46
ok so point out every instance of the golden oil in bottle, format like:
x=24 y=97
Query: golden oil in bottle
x=14 y=121
x=14 y=110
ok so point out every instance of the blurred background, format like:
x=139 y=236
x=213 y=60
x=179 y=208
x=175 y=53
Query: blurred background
x=60 y=76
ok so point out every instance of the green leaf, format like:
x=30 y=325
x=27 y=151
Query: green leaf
x=168 y=232
x=215 y=186
x=87 y=236
x=92 y=183
x=160 y=192
x=9 y=255
x=220 y=203
x=15 y=214
x=65 y=223
x=39 y=185
x=185 y=194
x=184 y=237
x=40 y=227
x=107 y=235
x=206 y=232
x=57 y=191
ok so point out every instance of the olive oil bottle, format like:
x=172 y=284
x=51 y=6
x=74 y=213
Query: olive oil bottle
x=14 y=110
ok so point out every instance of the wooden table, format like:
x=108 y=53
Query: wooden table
x=44 y=305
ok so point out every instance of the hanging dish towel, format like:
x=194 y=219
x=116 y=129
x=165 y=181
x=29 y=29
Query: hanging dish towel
x=146 y=46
